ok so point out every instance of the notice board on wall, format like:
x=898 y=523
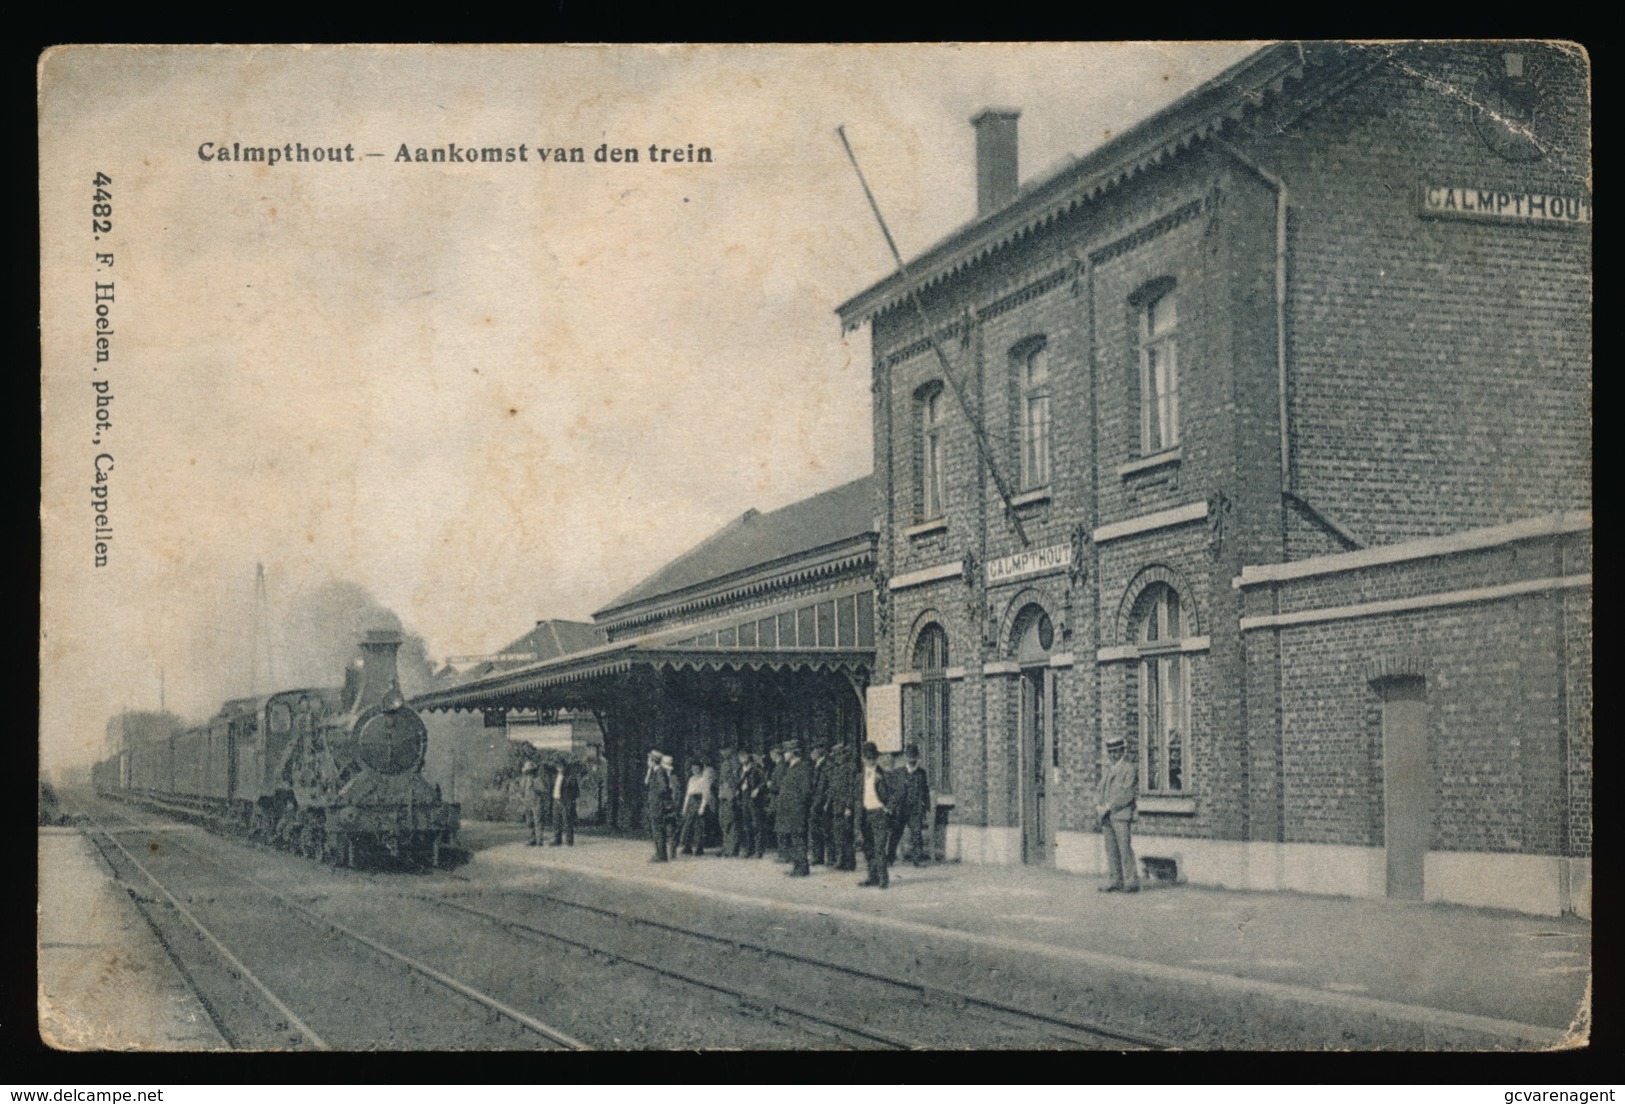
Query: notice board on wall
x=885 y=716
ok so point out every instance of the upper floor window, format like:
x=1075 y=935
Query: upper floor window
x=1164 y=690
x=1033 y=367
x=931 y=410
x=1159 y=373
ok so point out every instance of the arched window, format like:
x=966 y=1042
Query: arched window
x=929 y=727
x=930 y=413
x=1164 y=691
x=1159 y=372
x=1032 y=367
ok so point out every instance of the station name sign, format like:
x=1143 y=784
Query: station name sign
x=1446 y=201
x=1034 y=561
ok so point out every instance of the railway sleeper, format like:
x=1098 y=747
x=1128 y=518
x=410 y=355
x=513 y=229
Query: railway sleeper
x=932 y=997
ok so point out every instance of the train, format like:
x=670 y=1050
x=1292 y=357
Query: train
x=335 y=774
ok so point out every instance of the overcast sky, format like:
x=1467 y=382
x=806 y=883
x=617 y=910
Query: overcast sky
x=487 y=393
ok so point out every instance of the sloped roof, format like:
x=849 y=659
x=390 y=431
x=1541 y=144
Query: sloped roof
x=549 y=640
x=1197 y=116
x=754 y=540
x=553 y=638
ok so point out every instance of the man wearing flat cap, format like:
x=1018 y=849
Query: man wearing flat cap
x=1115 y=801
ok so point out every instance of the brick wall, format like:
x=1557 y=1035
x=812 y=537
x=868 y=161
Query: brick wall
x=1440 y=369
x=1508 y=747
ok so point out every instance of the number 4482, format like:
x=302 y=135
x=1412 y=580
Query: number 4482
x=101 y=206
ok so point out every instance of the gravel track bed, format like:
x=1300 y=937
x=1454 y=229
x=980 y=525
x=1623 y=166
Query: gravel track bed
x=895 y=1014
x=241 y=1016
x=351 y=996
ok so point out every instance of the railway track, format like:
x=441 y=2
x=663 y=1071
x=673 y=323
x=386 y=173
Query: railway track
x=622 y=980
x=250 y=992
x=854 y=1002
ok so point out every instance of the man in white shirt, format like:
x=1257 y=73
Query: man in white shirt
x=696 y=803
x=879 y=799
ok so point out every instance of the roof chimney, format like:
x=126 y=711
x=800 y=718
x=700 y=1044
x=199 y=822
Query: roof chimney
x=996 y=174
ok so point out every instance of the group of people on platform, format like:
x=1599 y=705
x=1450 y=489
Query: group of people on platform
x=814 y=810
x=815 y=806
x=549 y=796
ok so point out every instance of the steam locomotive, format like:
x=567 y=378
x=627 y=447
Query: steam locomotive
x=335 y=774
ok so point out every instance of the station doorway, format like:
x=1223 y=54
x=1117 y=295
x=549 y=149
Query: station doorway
x=1038 y=749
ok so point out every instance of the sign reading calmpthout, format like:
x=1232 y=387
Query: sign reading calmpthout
x=1449 y=201
x=1034 y=561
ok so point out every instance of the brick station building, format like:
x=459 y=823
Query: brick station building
x=1259 y=437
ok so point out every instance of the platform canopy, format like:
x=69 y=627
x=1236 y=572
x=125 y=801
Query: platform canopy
x=831 y=631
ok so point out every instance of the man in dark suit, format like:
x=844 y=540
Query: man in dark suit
x=752 y=804
x=914 y=807
x=795 y=806
x=775 y=784
x=843 y=813
x=1116 y=799
x=566 y=790
x=660 y=804
x=818 y=822
x=876 y=798
x=728 y=814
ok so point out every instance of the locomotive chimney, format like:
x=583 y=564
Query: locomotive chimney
x=996 y=174
x=378 y=670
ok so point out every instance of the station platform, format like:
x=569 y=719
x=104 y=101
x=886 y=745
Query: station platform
x=105 y=981
x=1426 y=974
